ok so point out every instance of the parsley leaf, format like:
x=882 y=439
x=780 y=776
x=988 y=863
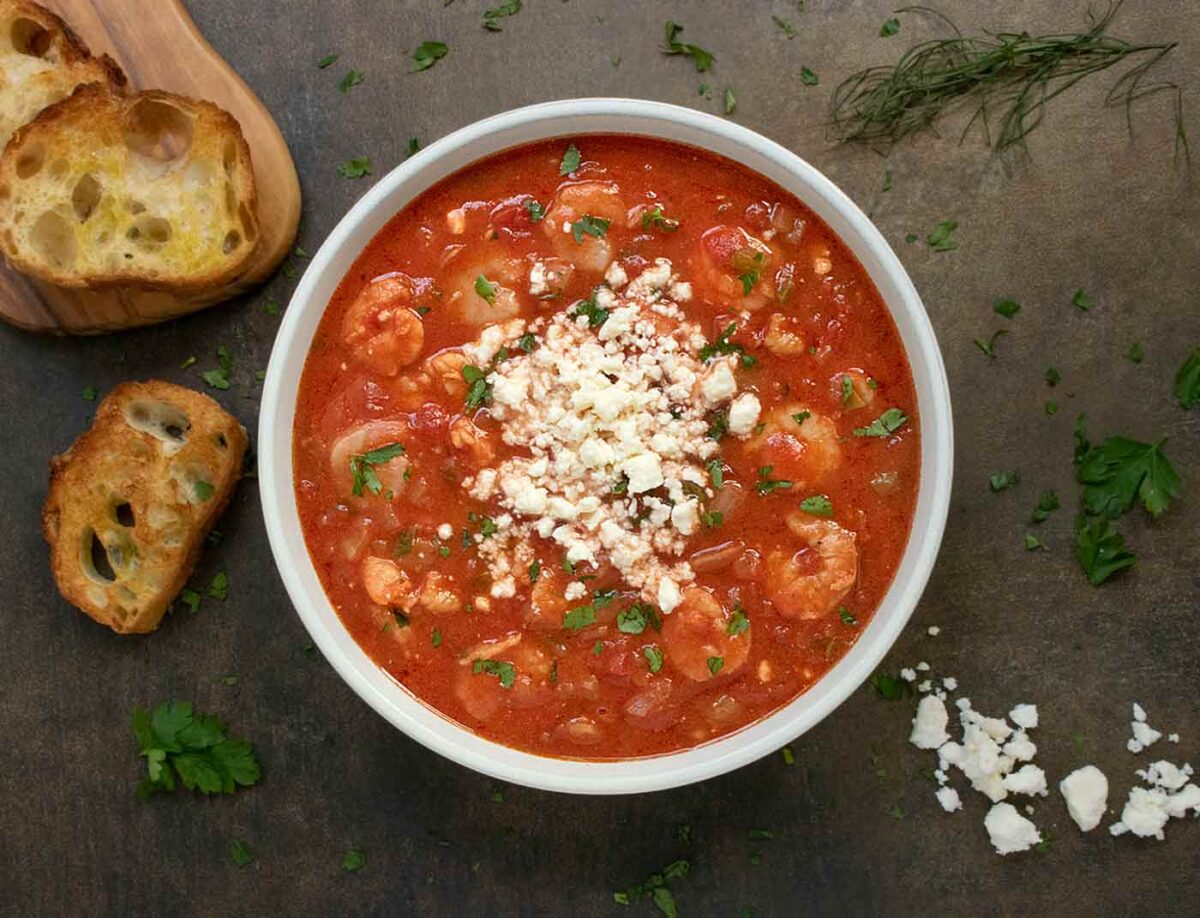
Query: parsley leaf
x=988 y=345
x=654 y=657
x=1006 y=308
x=219 y=378
x=492 y=17
x=480 y=389
x=637 y=617
x=940 y=239
x=1187 y=380
x=1119 y=470
x=218 y=587
x=239 y=853
x=354 y=860
x=1136 y=353
x=716 y=474
x=1002 y=481
x=654 y=888
x=788 y=29
x=712 y=518
x=535 y=571
x=412 y=148
x=716 y=664
x=203 y=489
x=817 y=505
x=590 y=226
x=182 y=747
x=730 y=101
x=350 y=80
x=656 y=219
x=427 y=54
x=535 y=209
x=327 y=60
x=891 y=688
x=1033 y=543
x=889 y=28
x=767 y=485
x=1053 y=377
x=191 y=599
x=883 y=426
x=579 y=618
x=505 y=672
x=1100 y=549
x=570 y=161
x=1083 y=299
x=701 y=58
x=355 y=168
x=362 y=467
x=846 y=616
x=739 y=622
x=724 y=346
x=89 y=393
x=808 y=78
x=1047 y=504
x=486 y=289
x=596 y=315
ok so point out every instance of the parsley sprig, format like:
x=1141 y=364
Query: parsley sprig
x=480 y=390
x=766 y=484
x=182 y=747
x=701 y=58
x=362 y=467
x=724 y=346
x=883 y=426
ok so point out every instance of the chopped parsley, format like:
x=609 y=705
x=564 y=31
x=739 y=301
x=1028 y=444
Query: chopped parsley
x=1002 y=481
x=187 y=363
x=89 y=393
x=890 y=688
x=850 y=398
x=1120 y=470
x=940 y=240
x=718 y=426
x=712 y=518
x=808 y=78
x=1006 y=308
x=486 y=289
x=716 y=474
x=724 y=346
x=427 y=54
x=988 y=345
x=739 y=622
x=1100 y=549
x=354 y=860
x=535 y=210
x=701 y=58
x=846 y=616
x=654 y=657
x=579 y=618
x=412 y=148
x=218 y=587
x=492 y=17
x=1051 y=407
x=730 y=101
x=817 y=505
x=588 y=225
x=596 y=315
x=480 y=390
x=191 y=599
x=883 y=426
x=204 y=490
x=570 y=161
x=183 y=747
x=789 y=757
x=350 y=80
x=716 y=664
x=1053 y=377
x=505 y=672
x=1047 y=504
x=889 y=28
x=362 y=467
x=788 y=29
x=327 y=61
x=355 y=168
x=656 y=219
x=801 y=416
x=535 y=571
x=1187 y=381
x=637 y=617
x=1135 y=353
x=239 y=852
x=767 y=485
x=654 y=888
x=219 y=378
x=1033 y=543
x=1083 y=299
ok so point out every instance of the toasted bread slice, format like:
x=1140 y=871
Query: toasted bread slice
x=132 y=500
x=42 y=61
x=154 y=190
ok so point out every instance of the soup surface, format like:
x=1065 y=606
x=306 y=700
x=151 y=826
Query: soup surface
x=606 y=447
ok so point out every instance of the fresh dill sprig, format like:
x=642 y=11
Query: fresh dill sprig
x=1008 y=76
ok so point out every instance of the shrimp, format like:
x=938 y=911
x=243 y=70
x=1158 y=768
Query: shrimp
x=810 y=583
x=799 y=445
x=437 y=594
x=385 y=583
x=381 y=329
x=445 y=370
x=785 y=336
x=853 y=389
x=500 y=673
x=471 y=440
x=483 y=283
x=547 y=602
x=567 y=216
x=700 y=638
x=361 y=439
x=733 y=268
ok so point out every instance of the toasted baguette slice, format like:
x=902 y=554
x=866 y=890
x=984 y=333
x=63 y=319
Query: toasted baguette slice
x=132 y=500
x=42 y=61
x=154 y=190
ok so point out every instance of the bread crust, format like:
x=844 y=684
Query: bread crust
x=142 y=487
x=94 y=118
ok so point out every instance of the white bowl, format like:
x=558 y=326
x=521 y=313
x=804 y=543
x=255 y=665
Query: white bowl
x=358 y=228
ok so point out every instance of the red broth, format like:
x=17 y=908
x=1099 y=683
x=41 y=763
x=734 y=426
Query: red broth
x=792 y=534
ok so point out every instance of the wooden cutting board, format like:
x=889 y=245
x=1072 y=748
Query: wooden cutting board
x=159 y=47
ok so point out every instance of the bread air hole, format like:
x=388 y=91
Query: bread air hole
x=232 y=240
x=53 y=239
x=158 y=419
x=29 y=37
x=30 y=160
x=95 y=561
x=124 y=514
x=158 y=130
x=229 y=156
x=247 y=219
x=85 y=197
x=149 y=232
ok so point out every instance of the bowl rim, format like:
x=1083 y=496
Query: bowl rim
x=328 y=265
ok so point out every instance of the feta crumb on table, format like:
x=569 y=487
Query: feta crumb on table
x=929 y=724
x=1009 y=831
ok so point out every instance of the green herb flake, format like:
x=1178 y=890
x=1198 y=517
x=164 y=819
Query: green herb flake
x=787 y=28
x=654 y=218
x=535 y=571
x=412 y=148
x=239 y=852
x=890 y=688
x=716 y=474
x=801 y=416
x=702 y=59
x=355 y=859
x=789 y=757
x=218 y=587
x=187 y=363
x=940 y=240
x=885 y=425
x=988 y=345
x=712 y=518
x=219 y=378
x=1006 y=308
x=479 y=391
x=436 y=638
x=362 y=468
x=1083 y=299
x=1033 y=543
x=191 y=599
x=817 y=505
x=1051 y=407
x=327 y=61
x=1120 y=470
x=808 y=78
x=1187 y=381
x=730 y=101
x=588 y=225
x=596 y=315
x=505 y=672
x=570 y=161
x=767 y=485
x=1053 y=377
x=486 y=289
x=716 y=664
x=654 y=657
x=350 y=80
x=739 y=622
x=203 y=490
x=90 y=393
x=579 y=618
x=1047 y=503
x=1002 y=481
x=1100 y=549
x=1135 y=353
x=889 y=28
x=183 y=747
x=535 y=210
x=427 y=54
x=492 y=17
x=355 y=168
x=847 y=616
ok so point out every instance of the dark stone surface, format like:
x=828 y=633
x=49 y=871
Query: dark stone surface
x=1091 y=208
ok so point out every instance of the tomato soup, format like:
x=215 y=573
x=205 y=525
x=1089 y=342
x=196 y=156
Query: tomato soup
x=606 y=447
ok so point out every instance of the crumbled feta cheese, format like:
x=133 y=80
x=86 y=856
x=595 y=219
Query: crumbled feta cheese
x=644 y=472
x=950 y=684
x=1025 y=716
x=934 y=630
x=743 y=414
x=615 y=276
x=669 y=595
x=929 y=725
x=575 y=590
x=1144 y=814
x=908 y=674
x=949 y=799
x=718 y=385
x=1028 y=779
x=1086 y=792
x=922 y=667
x=445 y=531
x=1009 y=831
x=503 y=589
